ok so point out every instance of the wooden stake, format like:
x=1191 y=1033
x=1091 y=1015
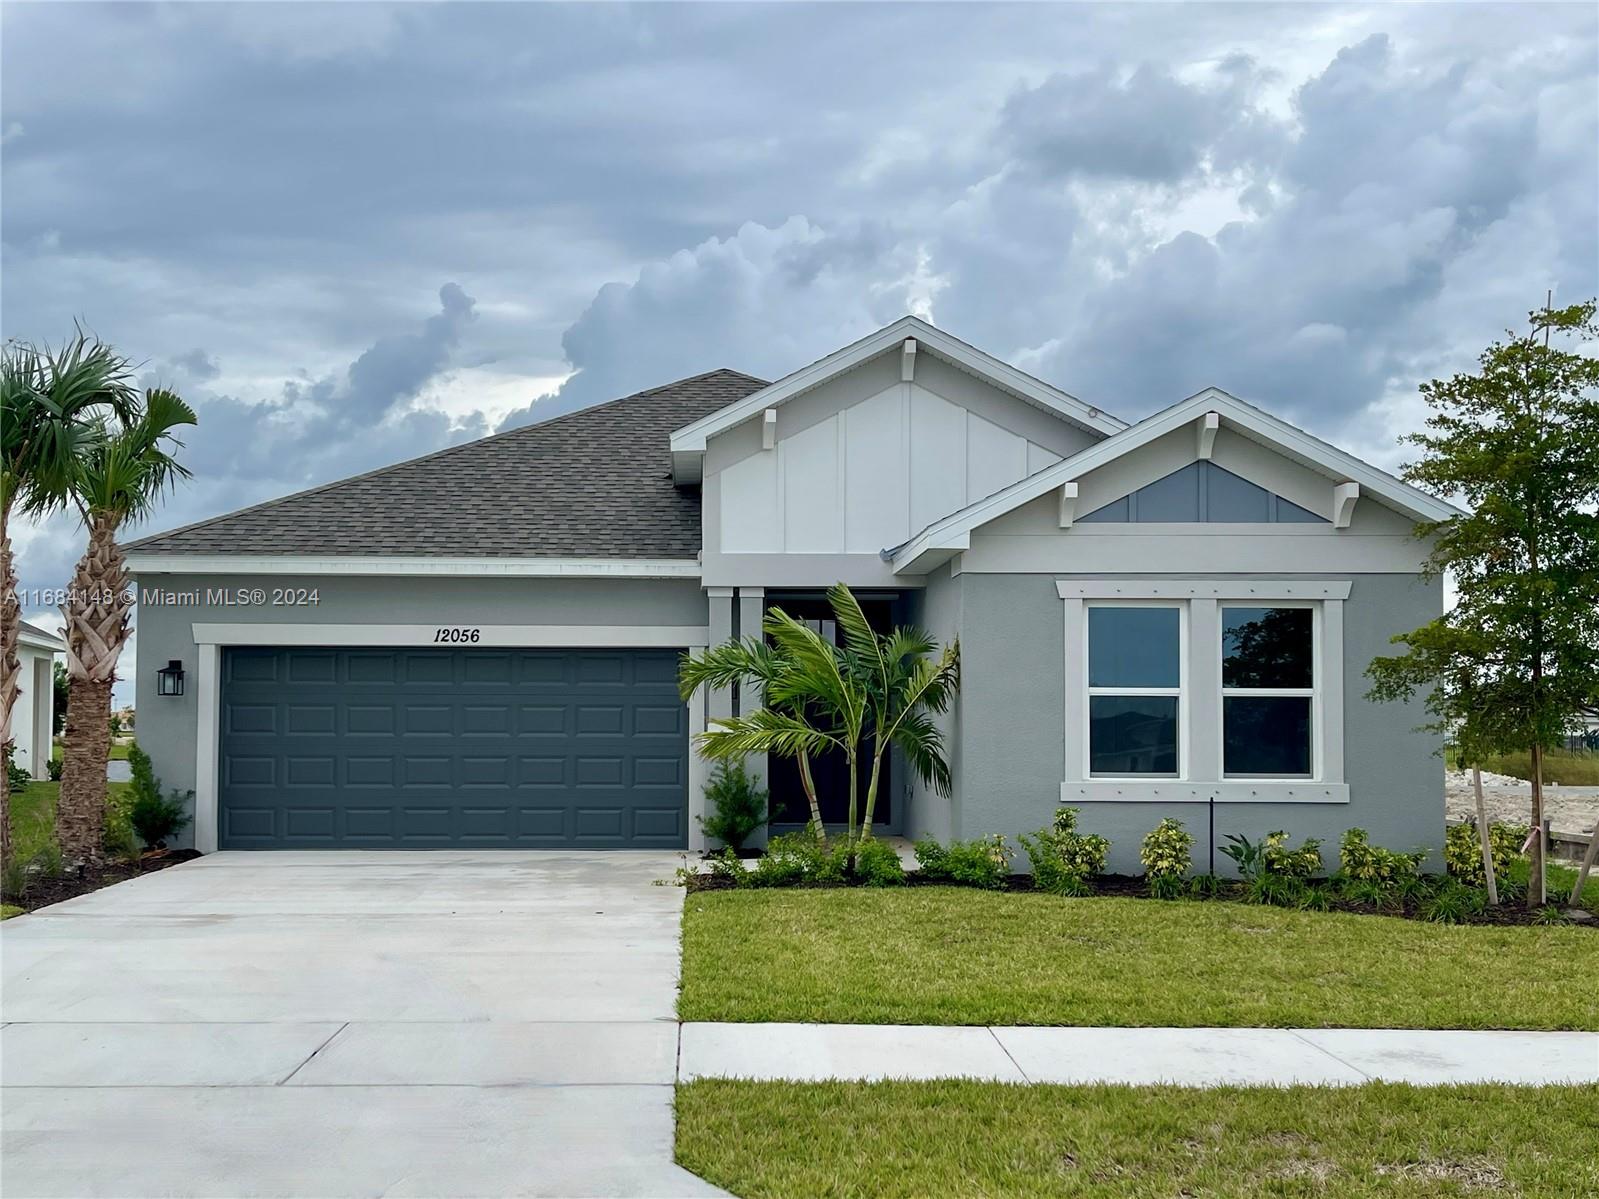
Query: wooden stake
x=1487 y=844
x=1587 y=864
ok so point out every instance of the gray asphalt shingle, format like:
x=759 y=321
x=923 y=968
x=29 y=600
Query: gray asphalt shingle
x=596 y=483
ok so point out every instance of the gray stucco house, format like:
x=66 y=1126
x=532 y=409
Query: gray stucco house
x=478 y=648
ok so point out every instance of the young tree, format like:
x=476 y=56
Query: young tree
x=873 y=692
x=49 y=400
x=1518 y=656
x=123 y=470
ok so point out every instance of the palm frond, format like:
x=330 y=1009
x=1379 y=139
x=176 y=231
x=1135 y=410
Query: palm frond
x=763 y=731
x=859 y=636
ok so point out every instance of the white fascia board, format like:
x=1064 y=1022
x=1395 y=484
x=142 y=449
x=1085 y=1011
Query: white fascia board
x=692 y=438
x=557 y=636
x=410 y=567
x=48 y=642
x=1246 y=418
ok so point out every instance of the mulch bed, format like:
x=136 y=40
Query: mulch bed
x=1129 y=886
x=43 y=890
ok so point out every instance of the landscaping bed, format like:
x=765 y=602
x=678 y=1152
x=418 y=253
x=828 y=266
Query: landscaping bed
x=904 y=1140
x=45 y=889
x=948 y=955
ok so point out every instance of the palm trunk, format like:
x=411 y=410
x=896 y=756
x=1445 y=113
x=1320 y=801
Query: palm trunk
x=10 y=666
x=809 y=784
x=853 y=755
x=1487 y=841
x=1537 y=895
x=97 y=629
x=80 y=810
x=871 y=791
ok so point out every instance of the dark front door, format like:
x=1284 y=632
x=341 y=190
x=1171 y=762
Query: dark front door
x=451 y=748
x=830 y=771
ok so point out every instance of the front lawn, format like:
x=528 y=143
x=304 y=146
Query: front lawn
x=942 y=955
x=913 y=1139
x=1567 y=767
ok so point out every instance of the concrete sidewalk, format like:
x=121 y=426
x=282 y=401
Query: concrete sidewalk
x=1199 y=1057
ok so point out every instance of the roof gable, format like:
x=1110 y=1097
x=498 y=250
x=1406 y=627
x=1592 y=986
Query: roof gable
x=944 y=538
x=688 y=442
x=595 y=483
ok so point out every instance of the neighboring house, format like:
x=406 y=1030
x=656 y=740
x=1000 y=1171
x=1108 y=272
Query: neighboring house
x=33 y=718
x=478 y=648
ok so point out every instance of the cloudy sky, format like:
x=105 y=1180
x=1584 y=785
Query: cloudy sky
x=352 y=233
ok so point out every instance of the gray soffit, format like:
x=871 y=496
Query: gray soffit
x=596 y=483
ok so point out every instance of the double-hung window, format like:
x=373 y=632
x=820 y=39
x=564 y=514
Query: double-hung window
x=1268 y=690
x=1135 y=690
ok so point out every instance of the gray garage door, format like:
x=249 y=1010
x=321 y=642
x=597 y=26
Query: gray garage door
x=451 y=748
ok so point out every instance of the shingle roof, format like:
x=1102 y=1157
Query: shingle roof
x=596 y=483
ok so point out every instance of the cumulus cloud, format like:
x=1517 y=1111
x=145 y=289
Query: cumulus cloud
x=1147 y=125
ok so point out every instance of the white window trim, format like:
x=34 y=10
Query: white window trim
x=1181 y=691
x=1200 y=732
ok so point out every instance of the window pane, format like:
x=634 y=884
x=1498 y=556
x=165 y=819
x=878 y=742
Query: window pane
x=1265 y=647
x=1266 y=735
x=1132 y=734
x=1133 y=647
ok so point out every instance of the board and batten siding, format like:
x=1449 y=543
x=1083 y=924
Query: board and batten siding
x=867 y=460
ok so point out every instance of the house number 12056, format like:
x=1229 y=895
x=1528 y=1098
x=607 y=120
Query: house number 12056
x=466 y=635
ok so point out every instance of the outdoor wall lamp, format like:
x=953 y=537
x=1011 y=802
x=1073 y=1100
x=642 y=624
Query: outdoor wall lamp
x=169 y=679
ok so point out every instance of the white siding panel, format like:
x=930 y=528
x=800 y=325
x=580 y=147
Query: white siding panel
x=812 y=499
x=750 y=519
x=875 y=474
x=1038 y=458
x=995 y=457
x=938 y=458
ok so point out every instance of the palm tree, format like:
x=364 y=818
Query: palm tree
x=884 y=689
x=755 y=662
x=48 y=402
x=124 y=469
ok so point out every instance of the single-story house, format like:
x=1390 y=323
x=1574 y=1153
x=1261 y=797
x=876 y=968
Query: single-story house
x=478 y=648
x=33 y=716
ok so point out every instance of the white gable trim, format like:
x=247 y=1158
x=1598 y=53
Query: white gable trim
x=688 y=443
x=940 y=540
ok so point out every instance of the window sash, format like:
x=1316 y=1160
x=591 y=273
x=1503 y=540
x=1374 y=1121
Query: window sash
x=1312 y=693
x=1180 y=692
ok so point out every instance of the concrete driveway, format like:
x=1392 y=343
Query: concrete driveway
x=348 y=1023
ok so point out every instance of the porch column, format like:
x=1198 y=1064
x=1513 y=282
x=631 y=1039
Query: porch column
x=751 y=611
x=718 y=705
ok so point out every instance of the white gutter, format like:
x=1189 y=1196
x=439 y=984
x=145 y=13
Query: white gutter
x=406 y=566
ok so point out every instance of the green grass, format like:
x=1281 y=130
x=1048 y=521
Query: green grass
x=1569 y=767
x=119 y=751
x=33 y=815
x=940 y=955
x=906 y=1140
x=7 y=911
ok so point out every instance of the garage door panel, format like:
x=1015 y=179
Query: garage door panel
x=448 y=747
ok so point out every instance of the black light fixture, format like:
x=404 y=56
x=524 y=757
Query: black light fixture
x=169 y=679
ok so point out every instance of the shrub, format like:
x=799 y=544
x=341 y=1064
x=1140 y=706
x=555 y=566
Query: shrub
x=877 y=864
x=1249 y=856
x=154 y=817
x=1279 y=890
x=1463 y=850
x=1166 y=854
x=1304 y=862
x=1204 y=886
x=1452 y=903
x=119 y=839
x=1359 y=859
x=1064 y=860
x=984 y=862
x=790 y=860
x=738 y=805
x=16 y=777
x=55 y=768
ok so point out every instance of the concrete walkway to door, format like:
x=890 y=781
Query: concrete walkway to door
x=349 y=1023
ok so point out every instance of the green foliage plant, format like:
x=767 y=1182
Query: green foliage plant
x=1065 y=861
x=1463 y=850
x=154 y=816
x=1362 y=861
x=737 y=803
x=984 y=862
x=1166 y=854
